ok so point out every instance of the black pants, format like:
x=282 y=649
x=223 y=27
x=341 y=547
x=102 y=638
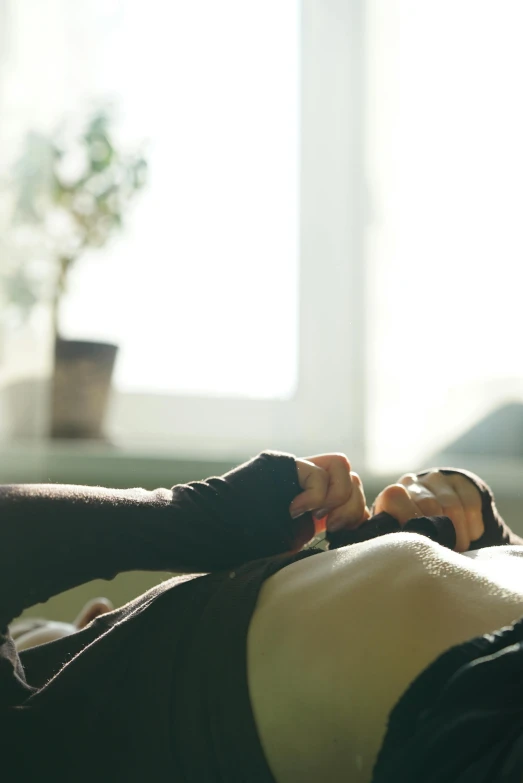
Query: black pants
x=461 y=720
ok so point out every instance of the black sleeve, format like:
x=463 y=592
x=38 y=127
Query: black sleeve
x=437 y=528
x=54 y=537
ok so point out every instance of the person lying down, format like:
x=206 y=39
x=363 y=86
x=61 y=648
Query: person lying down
x=394 y=655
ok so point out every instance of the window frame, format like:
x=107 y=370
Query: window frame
x=327 y=411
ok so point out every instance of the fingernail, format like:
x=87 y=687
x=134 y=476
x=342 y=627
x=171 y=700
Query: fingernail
x=320 y=513
x=297 y=513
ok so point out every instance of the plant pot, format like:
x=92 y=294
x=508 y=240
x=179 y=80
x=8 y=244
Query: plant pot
x=80 y=388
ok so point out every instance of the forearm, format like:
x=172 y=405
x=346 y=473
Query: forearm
x=54 y=537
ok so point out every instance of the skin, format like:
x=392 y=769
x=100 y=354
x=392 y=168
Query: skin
x=336 y=639
x=327 y=484
x=320 y=684
x=334 y=493
x=331 y=490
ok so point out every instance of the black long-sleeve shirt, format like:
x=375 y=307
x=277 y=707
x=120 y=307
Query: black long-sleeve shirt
x=152 y=689
x=54 y=537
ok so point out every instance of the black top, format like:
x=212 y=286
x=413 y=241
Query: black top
x=157 y=688
x=461 y=720
x=110 y=688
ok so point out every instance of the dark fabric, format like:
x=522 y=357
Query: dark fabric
x=214 y=735
x=97 y=705
x=461 y=720
x=497 y=532
x=165 y=690
x=54 y=537
x=437 y=528
x=157 y=689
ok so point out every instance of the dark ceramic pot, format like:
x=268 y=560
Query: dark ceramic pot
x=80 y=388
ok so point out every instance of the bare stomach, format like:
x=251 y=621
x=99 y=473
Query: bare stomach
x=336 y=639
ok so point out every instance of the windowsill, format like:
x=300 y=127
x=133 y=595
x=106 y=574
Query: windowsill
x=91 y=463
x=97 y=463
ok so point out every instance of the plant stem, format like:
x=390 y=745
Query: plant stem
x=64 y=264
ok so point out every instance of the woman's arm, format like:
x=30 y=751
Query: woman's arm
x=54 y=537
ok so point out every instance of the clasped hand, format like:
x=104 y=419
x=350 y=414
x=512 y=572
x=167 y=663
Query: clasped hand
x=334 y=494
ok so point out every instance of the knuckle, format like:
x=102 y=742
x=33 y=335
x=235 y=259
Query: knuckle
x=342 y=459
x=322 y=475
x=428 y=504
x=357 y=498
x=337 y=496
x=395 y=491
x=434 y=478
x=395 y=498
x=317 y=498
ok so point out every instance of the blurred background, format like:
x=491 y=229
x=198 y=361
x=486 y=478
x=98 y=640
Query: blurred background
x=233 y=226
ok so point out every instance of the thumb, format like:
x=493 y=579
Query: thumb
x=396 y=501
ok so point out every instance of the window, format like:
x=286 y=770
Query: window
x=235 y=295
x=205 y=280
x=328 y=255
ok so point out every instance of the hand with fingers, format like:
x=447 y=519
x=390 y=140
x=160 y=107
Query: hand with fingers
x=436 y=494
x=332 y=492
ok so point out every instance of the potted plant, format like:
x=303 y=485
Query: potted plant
x=69 y=192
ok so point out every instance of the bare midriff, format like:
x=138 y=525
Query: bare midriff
x=337 y=638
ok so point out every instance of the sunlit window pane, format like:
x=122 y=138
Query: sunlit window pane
x=200 y=292
x=205 y=283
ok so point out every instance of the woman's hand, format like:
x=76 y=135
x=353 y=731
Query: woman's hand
x=436 y=494
x=331 y=491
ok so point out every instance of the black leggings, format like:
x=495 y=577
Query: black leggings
x=461 y=720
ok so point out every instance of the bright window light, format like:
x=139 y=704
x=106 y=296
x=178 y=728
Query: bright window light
x=200 y=292
x=446 y=249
